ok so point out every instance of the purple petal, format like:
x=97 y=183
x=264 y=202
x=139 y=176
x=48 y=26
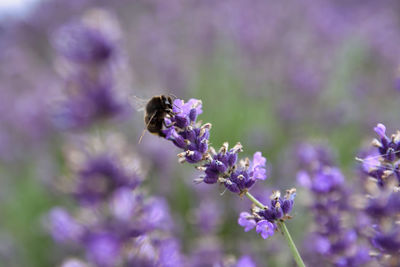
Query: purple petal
x=380 y=129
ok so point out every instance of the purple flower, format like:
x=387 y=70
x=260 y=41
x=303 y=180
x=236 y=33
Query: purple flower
x=388 y=148
x=157 y=214
x=103 y=248
x=208 y=216
x=169 y=253
x=246 y=220
x=388 y=243
x=304 y=179
x=219 y=167
x=83 y=44
x=265 y=228
x=184 y=109
x=63 y=227
x=380 y=129
x=279 y=209
x=327 y=179
x=123 y=204
x=258 y=166
x=183 y=131
x=92 y=103
x=333 y=240
x=322 y=244
x=100 y=178
x=245 y=261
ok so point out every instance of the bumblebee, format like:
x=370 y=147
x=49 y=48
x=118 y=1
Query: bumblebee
x=155 y=111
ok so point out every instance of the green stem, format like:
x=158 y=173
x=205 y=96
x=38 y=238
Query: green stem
x=292 y=246
x=254 y=200
x=285 y=232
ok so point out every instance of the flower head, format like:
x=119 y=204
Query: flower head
x=258 y=166
x=265 y=228
x=64 y=227
x=103 y=248
x=100 y=178
x=247 y=221
x=245 y=261
x=380 y=129
x=83 y=44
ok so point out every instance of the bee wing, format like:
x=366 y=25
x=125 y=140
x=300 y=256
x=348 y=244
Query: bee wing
x=137 y=103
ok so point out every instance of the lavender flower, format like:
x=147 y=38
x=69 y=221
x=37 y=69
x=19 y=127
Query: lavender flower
x=83 y=44
x=265 y=219
x=89 y=93
x=219 y=167
x=103 y=248
x=382 y=206
x=265 y=228
x=64 y=227
x=207 y=216
x=384 y=166
x=103 y=183
x=246 y=221
x=245 y=261
x=100 y=178
x=382 y=229
x=335 y=237
x=223 y=167
x=93 y=103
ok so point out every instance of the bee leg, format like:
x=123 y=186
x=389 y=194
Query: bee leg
x=168 y=126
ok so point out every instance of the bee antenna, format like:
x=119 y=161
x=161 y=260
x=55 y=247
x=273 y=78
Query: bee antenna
x=174 y=96
x=147 y=125
x=141 y=136
x=176 y=106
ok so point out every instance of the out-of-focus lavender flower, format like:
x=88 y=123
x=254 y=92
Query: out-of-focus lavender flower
x=83 y=44
x=169 y=253
x=113 y=213
x=63 y=226
x=151 y=251
x=207 y=216
x=123 y=204
x=209 y=252
x=100 y=178
x=383 y=202
x=90 y=93
x=92 y=103
x=245 y=261
x=382 y=229
x=158 y=214
x=335 y=238
x=103 y=248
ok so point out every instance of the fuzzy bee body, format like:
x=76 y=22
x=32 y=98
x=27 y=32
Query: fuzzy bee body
x=156 y=109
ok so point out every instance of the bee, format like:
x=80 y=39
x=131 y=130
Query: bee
x=155 y=111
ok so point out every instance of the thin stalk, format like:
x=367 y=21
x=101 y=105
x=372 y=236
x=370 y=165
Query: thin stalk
x=292 y=246
x=285 y=232
x=254 y=200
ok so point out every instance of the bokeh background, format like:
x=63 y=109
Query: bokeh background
x=271 y=74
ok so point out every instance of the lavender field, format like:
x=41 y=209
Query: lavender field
x=275 y=136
